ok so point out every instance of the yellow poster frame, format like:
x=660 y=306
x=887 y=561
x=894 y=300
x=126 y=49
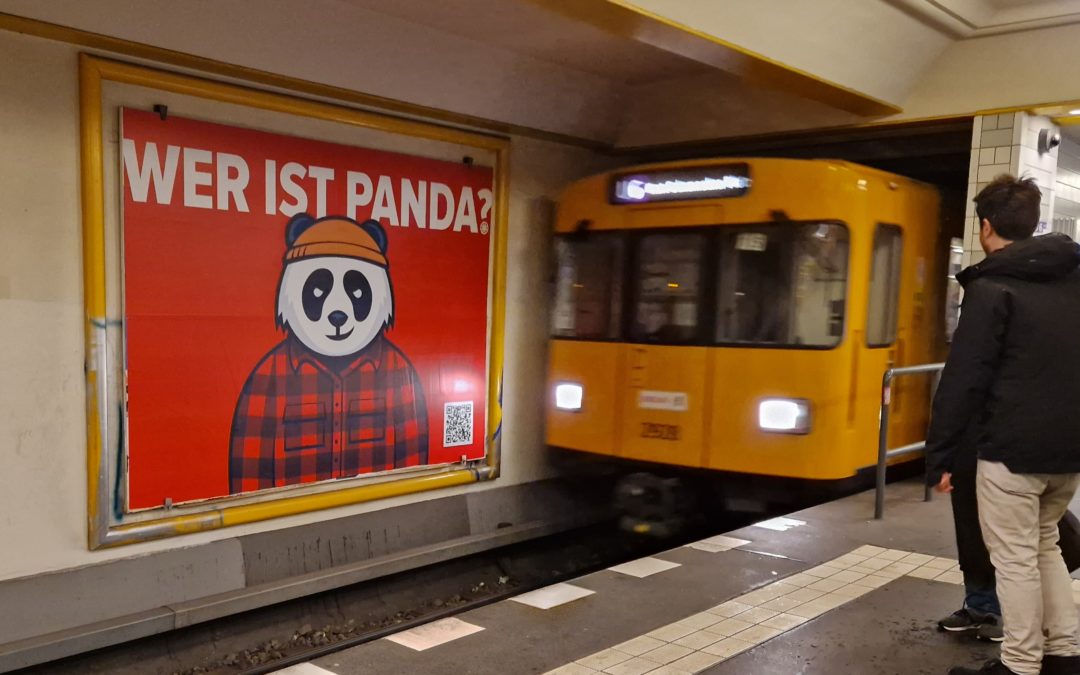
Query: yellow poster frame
x=94 y=71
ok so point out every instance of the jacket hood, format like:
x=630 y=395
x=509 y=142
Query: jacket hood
x=1044 y=258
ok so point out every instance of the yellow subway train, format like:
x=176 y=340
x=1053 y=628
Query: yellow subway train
x=737 y=315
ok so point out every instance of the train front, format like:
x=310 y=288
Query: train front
x=732 y=316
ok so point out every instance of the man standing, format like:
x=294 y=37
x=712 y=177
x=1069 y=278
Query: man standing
x=1014 y=373
x=981 y=613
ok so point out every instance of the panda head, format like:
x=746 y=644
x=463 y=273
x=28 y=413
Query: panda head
x=335 y=295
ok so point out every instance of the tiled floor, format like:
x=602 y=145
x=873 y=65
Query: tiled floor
x=704 y=639
x=825 y=590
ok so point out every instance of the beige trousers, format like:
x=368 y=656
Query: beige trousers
x=1019 y=515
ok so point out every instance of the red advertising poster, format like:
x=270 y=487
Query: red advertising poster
x=296 y=310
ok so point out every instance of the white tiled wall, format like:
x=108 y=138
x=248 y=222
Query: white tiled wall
x=1008 y=143
x=1043 y=168
x=1067 y=188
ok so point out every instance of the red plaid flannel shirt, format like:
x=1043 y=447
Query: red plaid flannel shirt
x=299 y=421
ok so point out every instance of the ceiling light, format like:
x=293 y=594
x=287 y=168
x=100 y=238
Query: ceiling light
x=1075 y=111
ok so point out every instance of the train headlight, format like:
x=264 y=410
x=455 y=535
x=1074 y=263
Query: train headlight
x=784 y=415
x=568 y=396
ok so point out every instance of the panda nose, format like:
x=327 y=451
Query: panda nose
x=338 y=318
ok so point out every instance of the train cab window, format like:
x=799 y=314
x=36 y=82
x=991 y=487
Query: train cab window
x=667 y=288
x=588 y=286
x=782 y=285
x=883 y=308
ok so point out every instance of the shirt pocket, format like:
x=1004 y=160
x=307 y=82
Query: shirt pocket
x=305 y=426
x=366 y=421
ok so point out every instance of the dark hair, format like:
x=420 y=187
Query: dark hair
x=1011 y=205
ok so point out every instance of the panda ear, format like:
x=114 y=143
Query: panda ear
x=296 y=226
x=377 y=233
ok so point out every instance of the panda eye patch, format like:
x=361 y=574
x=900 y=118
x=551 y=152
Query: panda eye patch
x=316 y=288
x=359 y=289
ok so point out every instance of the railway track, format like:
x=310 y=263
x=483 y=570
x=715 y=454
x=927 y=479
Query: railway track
x=269 y=639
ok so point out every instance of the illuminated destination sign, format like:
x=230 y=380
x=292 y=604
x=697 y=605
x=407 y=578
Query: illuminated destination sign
x=715 y=182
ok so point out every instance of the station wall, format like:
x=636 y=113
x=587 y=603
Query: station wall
x=42 y=399
x=1067 y=204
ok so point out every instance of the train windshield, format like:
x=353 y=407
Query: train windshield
x=588 y=287
x=668 y=287
x=782 y=285
x=779 y=285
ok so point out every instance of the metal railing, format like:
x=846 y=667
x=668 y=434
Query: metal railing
x=884 y=454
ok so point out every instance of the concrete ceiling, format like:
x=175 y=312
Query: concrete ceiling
x=541 y=33
x=977 y=18
x=626 y=73
x=689 y=70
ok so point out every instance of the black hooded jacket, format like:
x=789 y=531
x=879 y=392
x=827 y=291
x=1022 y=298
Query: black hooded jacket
x=1014 y=367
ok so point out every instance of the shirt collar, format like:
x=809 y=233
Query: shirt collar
x=338 y=366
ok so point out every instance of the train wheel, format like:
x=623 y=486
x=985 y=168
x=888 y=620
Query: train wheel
x=654 y=505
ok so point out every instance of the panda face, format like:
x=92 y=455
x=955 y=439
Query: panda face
x=335 y=306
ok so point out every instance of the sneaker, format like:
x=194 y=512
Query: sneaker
x=963 y=620
x=995 y=667
x=1060 y=665
x=990 y=630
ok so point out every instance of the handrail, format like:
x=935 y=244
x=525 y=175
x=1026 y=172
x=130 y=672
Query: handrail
x=884 y=454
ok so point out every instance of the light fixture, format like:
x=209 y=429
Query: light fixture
x=568 y=396
x=1075 y=111
x=784 y=415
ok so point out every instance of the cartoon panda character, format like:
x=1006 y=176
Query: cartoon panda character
x=335 y=398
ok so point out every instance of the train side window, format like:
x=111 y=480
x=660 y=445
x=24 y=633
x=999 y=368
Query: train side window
x=588 y=287
x=883 y=308
x=783 y=285
x=667 y=287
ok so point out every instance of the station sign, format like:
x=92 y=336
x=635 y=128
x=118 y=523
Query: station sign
x=708 y=182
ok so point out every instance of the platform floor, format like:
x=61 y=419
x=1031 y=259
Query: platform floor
x=824 y=590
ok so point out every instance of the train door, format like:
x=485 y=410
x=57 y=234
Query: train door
x=584 y=366
x=664 y=411
x=883 y=339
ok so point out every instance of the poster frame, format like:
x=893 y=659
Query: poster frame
x=105 y=528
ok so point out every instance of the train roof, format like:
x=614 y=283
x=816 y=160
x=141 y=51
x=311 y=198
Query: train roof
x=739 y=190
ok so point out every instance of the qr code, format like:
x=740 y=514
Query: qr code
x=458 y=424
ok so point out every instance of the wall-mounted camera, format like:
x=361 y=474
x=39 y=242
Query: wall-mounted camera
x=1048 y=140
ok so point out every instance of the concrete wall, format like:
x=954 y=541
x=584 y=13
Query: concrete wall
x=42 y=396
